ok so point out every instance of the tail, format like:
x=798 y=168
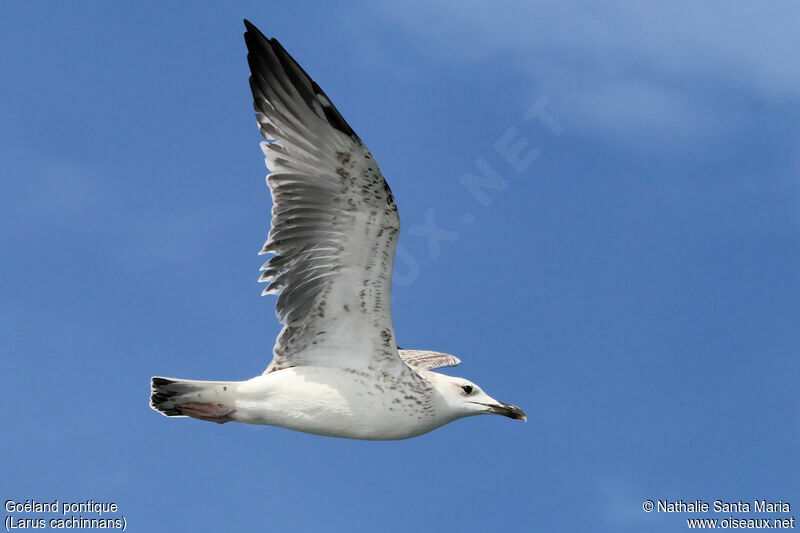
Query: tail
x=206 y=400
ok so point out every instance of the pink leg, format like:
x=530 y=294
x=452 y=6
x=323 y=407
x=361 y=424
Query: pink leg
x=213 y=412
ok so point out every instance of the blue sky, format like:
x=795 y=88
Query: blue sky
x=634 y=287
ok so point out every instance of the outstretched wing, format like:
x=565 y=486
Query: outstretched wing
x=334 y=222
x=428 y=360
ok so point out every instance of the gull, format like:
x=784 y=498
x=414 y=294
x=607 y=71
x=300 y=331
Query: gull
x=336 y=367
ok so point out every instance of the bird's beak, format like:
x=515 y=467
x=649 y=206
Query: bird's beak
x=506 y=409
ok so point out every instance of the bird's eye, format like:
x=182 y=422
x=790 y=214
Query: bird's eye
x=467 y=389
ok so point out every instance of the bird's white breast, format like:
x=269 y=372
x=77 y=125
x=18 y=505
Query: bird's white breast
x=341 y=403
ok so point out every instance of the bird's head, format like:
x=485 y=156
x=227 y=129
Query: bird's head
x=465 y=398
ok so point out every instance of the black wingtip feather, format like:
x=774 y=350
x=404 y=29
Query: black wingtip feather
x=257 y=46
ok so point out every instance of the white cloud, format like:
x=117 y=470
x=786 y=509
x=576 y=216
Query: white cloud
x=753 y=41
x=630 y=68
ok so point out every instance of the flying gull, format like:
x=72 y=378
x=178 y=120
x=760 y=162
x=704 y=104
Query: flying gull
x=336 y=367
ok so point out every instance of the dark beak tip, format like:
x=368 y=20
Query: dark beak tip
x=511 y=411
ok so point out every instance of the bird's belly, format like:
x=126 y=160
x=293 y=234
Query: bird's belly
x=337 y=403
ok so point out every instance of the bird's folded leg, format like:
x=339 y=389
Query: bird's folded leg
x=213 y=412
